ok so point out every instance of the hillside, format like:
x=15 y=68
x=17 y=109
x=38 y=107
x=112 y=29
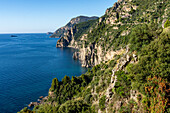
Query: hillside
x=128 y=49
x=61 y=31
x=111 y=31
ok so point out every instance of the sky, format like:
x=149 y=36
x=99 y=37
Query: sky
x=41 y=16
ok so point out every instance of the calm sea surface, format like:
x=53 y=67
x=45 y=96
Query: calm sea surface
x=28 y=63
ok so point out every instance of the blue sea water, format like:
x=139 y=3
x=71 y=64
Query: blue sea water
x=28 y=63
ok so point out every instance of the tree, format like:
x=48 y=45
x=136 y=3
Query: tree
x=66 y=80
x=154 y=61
x=139 y=37
x=157 y=95
x=102 y=102
x=55 y=84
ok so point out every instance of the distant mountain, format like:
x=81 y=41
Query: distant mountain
x=61 y=31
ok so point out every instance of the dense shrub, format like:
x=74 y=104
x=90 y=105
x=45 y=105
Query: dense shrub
x=139 y=37
x=102 y=102
x=82 y=28
x=123 y=84
x=153 y=61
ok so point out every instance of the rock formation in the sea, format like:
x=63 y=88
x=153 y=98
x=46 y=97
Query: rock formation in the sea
x=61 y=31
x=75 y=55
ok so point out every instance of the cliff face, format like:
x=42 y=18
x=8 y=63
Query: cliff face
x=94 y=53
x=110 y=33
x=66 y=40
x=61 y=31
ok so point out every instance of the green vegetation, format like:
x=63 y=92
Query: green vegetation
x=67 y=89
x=26 y=110
x=102 y=102
x=123 y=85
x=167 y=24
x=141 y=86
x=78 y=20
x=55 y=84
x=150 y=77
x=153 y=61
x=140 y=36
x=82 y=28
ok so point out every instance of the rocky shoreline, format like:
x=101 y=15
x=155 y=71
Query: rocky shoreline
x=39 y=101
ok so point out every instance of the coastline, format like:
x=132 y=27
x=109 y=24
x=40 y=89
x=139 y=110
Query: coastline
x=42 y=99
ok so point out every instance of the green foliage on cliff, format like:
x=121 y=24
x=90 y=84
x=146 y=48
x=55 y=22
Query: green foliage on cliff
x=123 y=85
x=80 y=19
x=55 y=84
x=71 y=106
x=67 y=88
x=82 y=28
x=167 y=24
x=153 y=61
x=140 y=36
x=26 y=110
x=102 y=102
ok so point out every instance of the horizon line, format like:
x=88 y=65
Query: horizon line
x=23 y=33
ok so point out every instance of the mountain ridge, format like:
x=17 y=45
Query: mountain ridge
x=61 y=31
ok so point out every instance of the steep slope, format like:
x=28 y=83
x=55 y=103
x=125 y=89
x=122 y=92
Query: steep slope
x=129 y=50
x=111 y=31
x=61 y=31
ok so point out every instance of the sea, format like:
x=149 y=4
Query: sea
x=28 y=63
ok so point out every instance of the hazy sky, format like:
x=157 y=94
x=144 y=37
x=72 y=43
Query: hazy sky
x=38 y=16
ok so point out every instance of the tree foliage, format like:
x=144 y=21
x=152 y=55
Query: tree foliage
x=140 y=36
x=102 y=102
x=154 y=61
x=55 y=84
x=157 y=97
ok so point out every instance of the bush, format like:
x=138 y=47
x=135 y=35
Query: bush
x=74 y=106
x=123 y=84
x=139 y=37
x=102 y=102
x=55 y=84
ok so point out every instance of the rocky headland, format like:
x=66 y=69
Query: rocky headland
x=61 y=31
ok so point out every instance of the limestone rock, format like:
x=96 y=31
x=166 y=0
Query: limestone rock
x=124 y=33
x=75 y=55
x=135 y=57
x=65 y=41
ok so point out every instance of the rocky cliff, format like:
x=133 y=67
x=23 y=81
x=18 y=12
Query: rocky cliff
x=66 y=39
x=107 y=36
x=92 y=52
x=61 y=31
